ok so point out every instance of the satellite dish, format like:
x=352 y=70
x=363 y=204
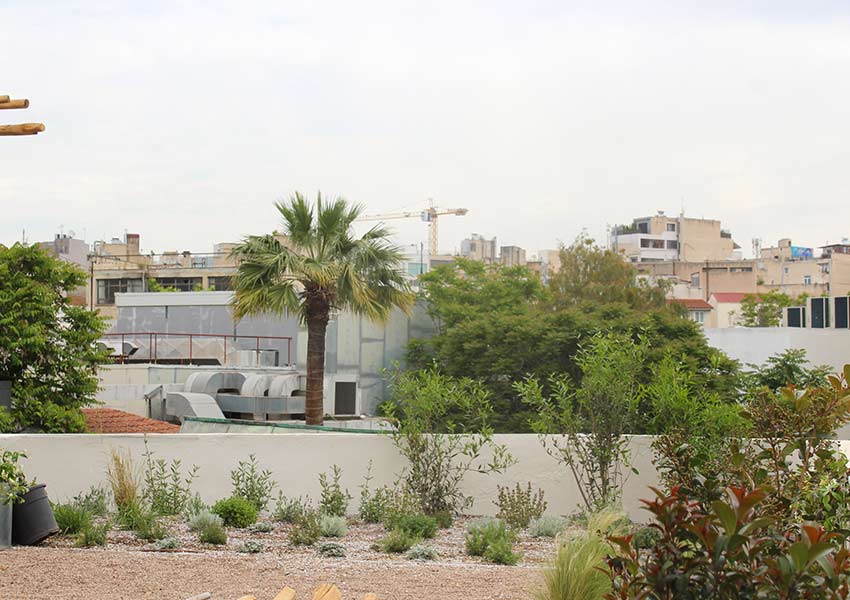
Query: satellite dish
x=72 y=233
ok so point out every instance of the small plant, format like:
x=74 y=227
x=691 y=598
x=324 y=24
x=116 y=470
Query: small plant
x=445 y=518
x=202 y=518
x=93 y=501
x=123 y=479
x=212 y=532
x=332 y=526
x=307 y=530
x=422 y=552
x=331 y=550
x=70 y=518
x=482 y=535
x=577 y=571
x=167 y=543
x=251 y=483
x=519 y=505
x=194 y=505
x=373 y=506
x=13 y=482
x=397 y=542
x=548 y=527
x=399 y=504
x=251 y=547
x=262 y=527
x=419 y=526
x=148 y=527
x=167 y=491
x=646 y=537
x=334 y=500
x=290 y=510
x=236 y=511
x=93 y=535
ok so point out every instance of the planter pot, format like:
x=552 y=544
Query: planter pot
x=5 y=526
x=32 y=519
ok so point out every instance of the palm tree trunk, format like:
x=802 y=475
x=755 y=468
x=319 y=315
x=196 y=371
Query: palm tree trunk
x=315 y=403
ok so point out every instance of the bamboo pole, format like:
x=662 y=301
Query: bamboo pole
x=22 y=129
x=4 y=98
x=14 y=104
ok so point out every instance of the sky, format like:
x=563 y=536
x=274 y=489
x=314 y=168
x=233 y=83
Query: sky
x=185 y=121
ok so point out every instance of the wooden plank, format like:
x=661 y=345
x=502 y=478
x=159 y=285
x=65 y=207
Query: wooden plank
x=14 y=104
x=286 y=593
x=327 y=592
x=22 y=129
x=4 y=98
x=248 y=597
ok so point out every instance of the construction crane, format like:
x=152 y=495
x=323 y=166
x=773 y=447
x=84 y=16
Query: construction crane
x=428 y=215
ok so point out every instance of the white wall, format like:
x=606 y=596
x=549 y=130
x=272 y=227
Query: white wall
x=756 y=344
x=71 y=463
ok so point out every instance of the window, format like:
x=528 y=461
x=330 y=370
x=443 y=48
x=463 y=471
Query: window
x=842 y=312
x=643 y=227
x=651 y=243
x=672 y=244
x=820 y=313
x=807 y=280
x=698 y=316
x=786 y=270
x=740 y=269
x=695 y=280
x=220 y=283
x=671 y=227
x=107 y=288
x=795 y=317
x=182 y=284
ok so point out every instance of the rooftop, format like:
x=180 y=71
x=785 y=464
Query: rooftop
x=110 y=420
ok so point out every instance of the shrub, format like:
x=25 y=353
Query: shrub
x=586 y=422
x=93 y=535
x=148 y=527
x=334 y=500
x=167 y=491
x=546 y=526
x=307 y=530
x=397 y=541
x=444 y=518
x=202 y=518
x=646 y=537
x=236 y=511
x=71 y=519
x=194 y=506
x=332 y=526
x=419 y=526
x=373 y=506
x=167 y=543
x=442 y=427
x=331 y=550
x=421 y=552
x=577 y=571
x=212 y=532
x=481 y=535
x=251 y=483
x=93 y=501
x=518 y=506
x=290 y=510
x=123 y=479
x=262 y=527
x=399 y=504
x=251 y=547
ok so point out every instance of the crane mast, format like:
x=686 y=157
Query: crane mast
x=428 y=215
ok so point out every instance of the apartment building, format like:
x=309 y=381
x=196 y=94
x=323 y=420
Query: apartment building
x=477 y=247
x=70 y=249
x=118 y=266
x=662 y=238
x=512 y=256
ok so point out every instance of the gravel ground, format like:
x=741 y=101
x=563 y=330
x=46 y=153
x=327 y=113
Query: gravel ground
x=128 y=569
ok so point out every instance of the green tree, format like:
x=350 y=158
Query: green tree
x=764 y=310
x=789 y=367
x=47 y=345
x=317 y=267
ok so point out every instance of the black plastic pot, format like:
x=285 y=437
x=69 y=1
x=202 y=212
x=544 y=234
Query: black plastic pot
x=32 y=519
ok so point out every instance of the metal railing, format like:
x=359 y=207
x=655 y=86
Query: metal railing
x=153 y=344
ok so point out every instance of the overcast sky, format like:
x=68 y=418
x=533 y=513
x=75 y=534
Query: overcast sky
x=184 y=121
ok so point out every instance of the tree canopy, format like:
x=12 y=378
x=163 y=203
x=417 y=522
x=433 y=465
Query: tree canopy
x=47 y=345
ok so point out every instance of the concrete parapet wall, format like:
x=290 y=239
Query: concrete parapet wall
x=71 y=463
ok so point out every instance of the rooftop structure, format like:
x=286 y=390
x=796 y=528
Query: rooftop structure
x=663 y=238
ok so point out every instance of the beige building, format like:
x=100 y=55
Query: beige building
x=477 y=247
x=662 y=238
x=118 y=266
x=512 y=256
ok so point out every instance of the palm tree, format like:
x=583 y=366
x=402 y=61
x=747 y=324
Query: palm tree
x=315 y=267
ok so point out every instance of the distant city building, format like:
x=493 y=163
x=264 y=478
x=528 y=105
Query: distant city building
x=72 y=250
x=663 y=238
x=477 y=247
x=512 y=256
